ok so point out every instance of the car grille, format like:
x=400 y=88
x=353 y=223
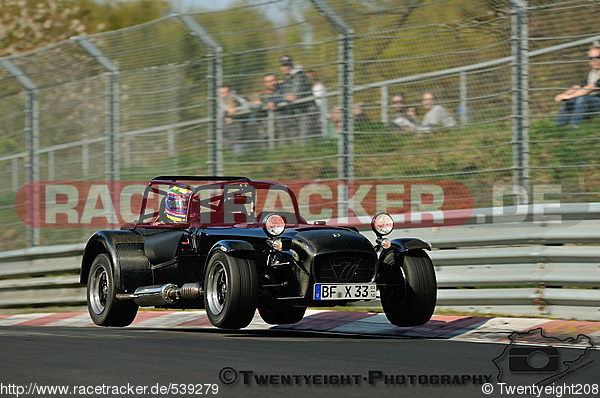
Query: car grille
x=343 y=267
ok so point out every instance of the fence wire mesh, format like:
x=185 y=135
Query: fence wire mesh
x=432 y=85
x=257 y=115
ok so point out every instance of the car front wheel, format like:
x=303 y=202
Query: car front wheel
x=103 y=306
x=410 y=298
x=231 y=289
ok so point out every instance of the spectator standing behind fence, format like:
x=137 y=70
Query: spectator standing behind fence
x=298 y=86
x=435 y=116
x=255 y=126
x=320 y=93
x=273 y=91
x=580 y=102
x=231 y=105
x=274 y=100
x=405 y=117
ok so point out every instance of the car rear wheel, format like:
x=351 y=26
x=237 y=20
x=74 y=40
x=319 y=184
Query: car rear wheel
x=410 y=300
x=231 y=289
x=103 y=306
x=281 y=316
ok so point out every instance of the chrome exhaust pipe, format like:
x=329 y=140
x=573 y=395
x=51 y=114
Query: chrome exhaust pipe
x=190 y=291
x=155 y=295
x=160 y=295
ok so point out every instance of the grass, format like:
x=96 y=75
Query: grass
x=478 y=156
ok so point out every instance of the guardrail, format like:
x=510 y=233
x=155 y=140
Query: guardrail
x=541 y=266
x=41 y=277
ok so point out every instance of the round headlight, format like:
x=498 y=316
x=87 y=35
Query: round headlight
x=382 y=224
x=274 y=224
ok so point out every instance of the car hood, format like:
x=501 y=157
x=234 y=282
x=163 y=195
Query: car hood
x=328 y=240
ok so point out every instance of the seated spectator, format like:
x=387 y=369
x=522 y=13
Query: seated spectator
x=405 y=117
x=581 y=101
x=359 y=113
x=436 y=116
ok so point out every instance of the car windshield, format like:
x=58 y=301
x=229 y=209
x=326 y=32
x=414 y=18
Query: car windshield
x=214 y=204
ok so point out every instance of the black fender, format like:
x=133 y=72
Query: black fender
x=400 y=247
x=233 y=248
x=126 y=251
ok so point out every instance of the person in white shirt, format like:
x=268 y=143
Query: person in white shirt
x=435 y=116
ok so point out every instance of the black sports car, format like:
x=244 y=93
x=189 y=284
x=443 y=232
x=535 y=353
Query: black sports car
x=201 y=242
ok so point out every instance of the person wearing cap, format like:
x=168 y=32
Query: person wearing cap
x=297 y=86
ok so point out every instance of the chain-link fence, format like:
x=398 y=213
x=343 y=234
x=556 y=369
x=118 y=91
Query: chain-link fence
x=304 y=90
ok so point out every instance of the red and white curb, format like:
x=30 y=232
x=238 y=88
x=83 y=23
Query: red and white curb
x=462 y=328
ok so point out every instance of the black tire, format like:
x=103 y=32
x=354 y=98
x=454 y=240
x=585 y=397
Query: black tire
x=230 y=291
x=412 y=302
x=103 y=306
x=281 y=315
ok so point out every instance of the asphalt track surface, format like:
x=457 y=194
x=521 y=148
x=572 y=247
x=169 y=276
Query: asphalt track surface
x=92 y=356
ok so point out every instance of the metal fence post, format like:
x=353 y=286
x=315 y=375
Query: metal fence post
x=112 y=105
x=127 y=150
x=33 y=148
x=215 y=80
x=113 y=126
x=324 y=115
x=172 y=149
x=112 y=116
x=51 y=166
x=346 y=171
x=463 y=98
x=271 y=128
x=346 y=82
x=384 y=104
x=520 y=86
x=85 y=159
x=15 y=174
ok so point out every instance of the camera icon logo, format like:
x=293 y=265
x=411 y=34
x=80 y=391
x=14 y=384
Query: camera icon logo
x=533 y=360
x=533 y=357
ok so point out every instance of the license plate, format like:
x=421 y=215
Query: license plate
x=345 y=291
